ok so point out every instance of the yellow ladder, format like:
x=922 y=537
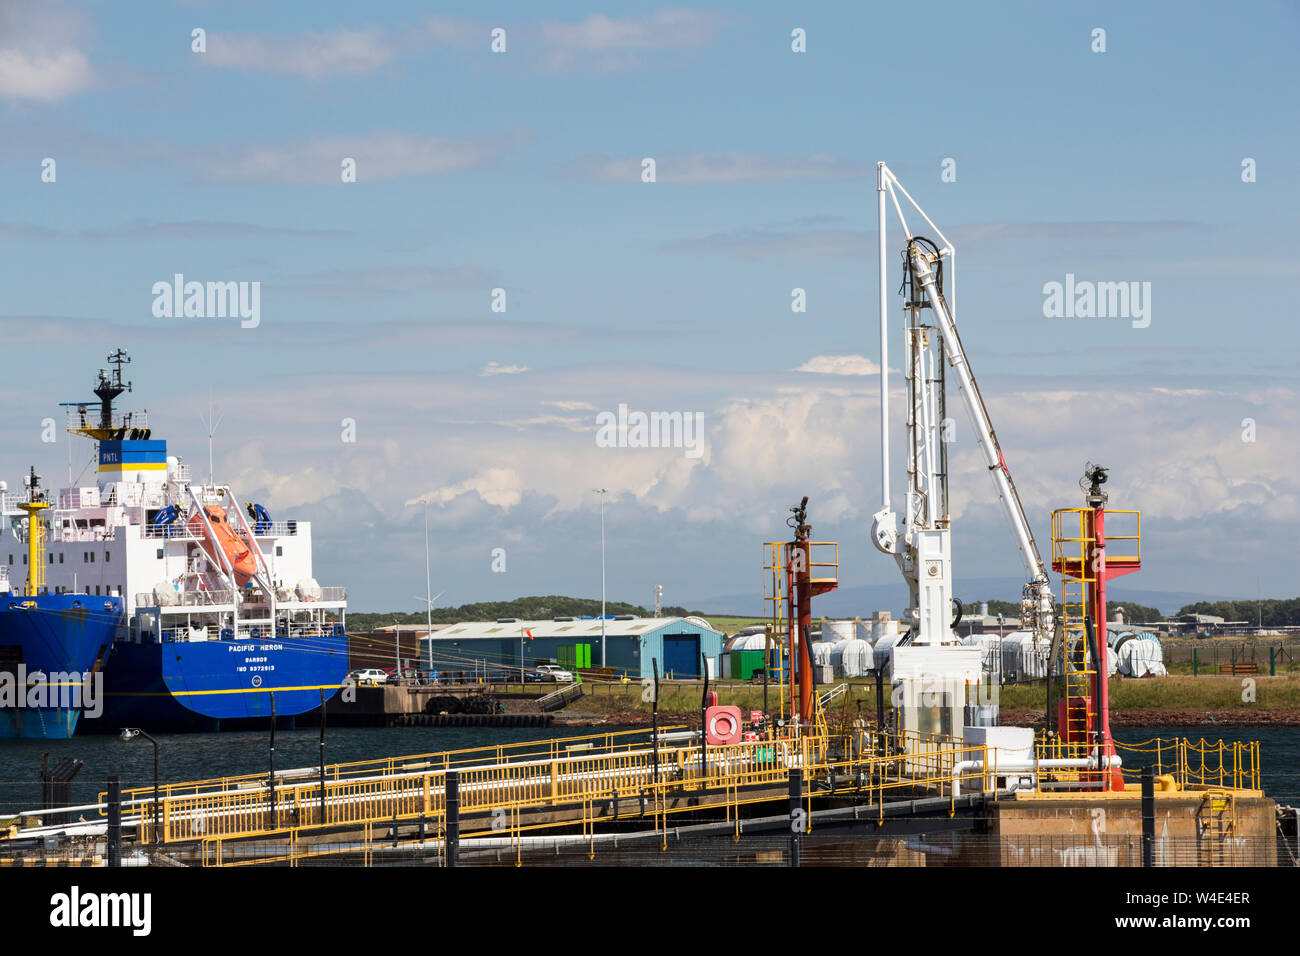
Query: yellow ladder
x=1071 y=551
x=1218 y=822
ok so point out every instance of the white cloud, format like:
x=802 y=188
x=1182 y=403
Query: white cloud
x=313 y=55
x=605 y=43
x=840 y=365
x=40 y=55
x=733 y=167
x=570 y=406
x=499 y=487
x=379 y=156
x=492 y=368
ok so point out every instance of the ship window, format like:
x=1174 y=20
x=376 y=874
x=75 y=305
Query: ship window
x=24 y=559
x=96 y=590
x=107 y=555
x=51 y=557
x=160 y=553
x=92 y=557
x=60 y=557
x=279 y=551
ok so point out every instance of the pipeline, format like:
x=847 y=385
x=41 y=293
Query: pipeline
x=1110 y=762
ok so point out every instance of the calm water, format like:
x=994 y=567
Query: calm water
x=195 y=756
x=199 y=756
x=1279 y=751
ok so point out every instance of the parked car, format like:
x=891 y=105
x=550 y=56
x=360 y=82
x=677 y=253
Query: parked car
x=369 y=677
x=553 y=672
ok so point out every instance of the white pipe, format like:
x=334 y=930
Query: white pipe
x=1111 y=762
x=884 y=339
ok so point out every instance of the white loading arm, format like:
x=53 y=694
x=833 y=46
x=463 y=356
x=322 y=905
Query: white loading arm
x=1036 y=603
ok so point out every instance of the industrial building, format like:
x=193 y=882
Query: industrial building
x=631 y=644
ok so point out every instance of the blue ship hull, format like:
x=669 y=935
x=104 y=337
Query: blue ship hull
x=45 y=635
x=179 y=687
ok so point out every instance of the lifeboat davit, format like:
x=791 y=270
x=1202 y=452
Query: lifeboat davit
x=235 y=548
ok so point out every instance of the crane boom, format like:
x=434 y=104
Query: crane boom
x=922 y=547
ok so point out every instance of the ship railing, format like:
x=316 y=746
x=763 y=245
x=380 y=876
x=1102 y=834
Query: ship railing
x=326 y=594
x=87 y=416
x=271 y=529
x=177 y=529
x=180 y=529
x=219 y=596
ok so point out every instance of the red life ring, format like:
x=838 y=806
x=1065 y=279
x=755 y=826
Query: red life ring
x=722 y=725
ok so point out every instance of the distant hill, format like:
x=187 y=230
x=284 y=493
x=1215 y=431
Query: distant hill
x=524 y=608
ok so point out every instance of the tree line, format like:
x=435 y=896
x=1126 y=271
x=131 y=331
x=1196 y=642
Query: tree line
x=537 y=608
x=1273 y=612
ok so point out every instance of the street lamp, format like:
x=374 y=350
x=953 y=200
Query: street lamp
x=601 y=492
x=130 y=733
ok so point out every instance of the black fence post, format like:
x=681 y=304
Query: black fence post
x=654 y=718
x=322 y=757
x=797 y=819
x=1148 y=816
x=273 y=825
x=114 y=820
x=704 y=730
x=453 y=816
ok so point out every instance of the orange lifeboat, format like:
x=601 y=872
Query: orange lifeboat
x=234 y=547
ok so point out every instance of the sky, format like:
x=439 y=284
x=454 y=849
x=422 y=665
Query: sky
x=448 y=324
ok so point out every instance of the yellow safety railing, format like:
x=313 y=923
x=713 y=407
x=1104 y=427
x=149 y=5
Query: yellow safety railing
x=566 y=787
x=741 y=773
x=1198 y=765
x=551 y=748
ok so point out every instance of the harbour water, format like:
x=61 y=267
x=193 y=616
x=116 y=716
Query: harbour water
x=196 y=756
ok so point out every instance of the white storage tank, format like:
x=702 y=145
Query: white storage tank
x=882 y=652
x=852 y=658
x=1138 y=655
x=748 y=642
x=839 y=630
x=822 y=652
x=1023 y=658
x=990 y=646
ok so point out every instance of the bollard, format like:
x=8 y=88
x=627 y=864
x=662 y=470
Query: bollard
x=1148 y=816
x=114 y=821
x=453 y=816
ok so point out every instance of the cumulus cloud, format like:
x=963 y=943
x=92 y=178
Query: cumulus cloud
x=607 y=43
x=492 y=368
x=41 y=59
x=840 y=365
x=311 y=55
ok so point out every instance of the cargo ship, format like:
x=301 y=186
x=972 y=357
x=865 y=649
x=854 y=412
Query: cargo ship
x=169 y=605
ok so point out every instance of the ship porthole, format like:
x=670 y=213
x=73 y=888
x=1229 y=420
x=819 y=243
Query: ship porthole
x=257 y=680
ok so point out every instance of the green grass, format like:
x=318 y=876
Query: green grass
x=1172 y=694
x=730 y=625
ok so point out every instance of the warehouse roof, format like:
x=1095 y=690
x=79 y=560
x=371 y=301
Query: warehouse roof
x=574 y=627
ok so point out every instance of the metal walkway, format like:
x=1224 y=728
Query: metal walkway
x=577 y=784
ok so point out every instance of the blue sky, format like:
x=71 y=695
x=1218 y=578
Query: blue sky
x=521 y=171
